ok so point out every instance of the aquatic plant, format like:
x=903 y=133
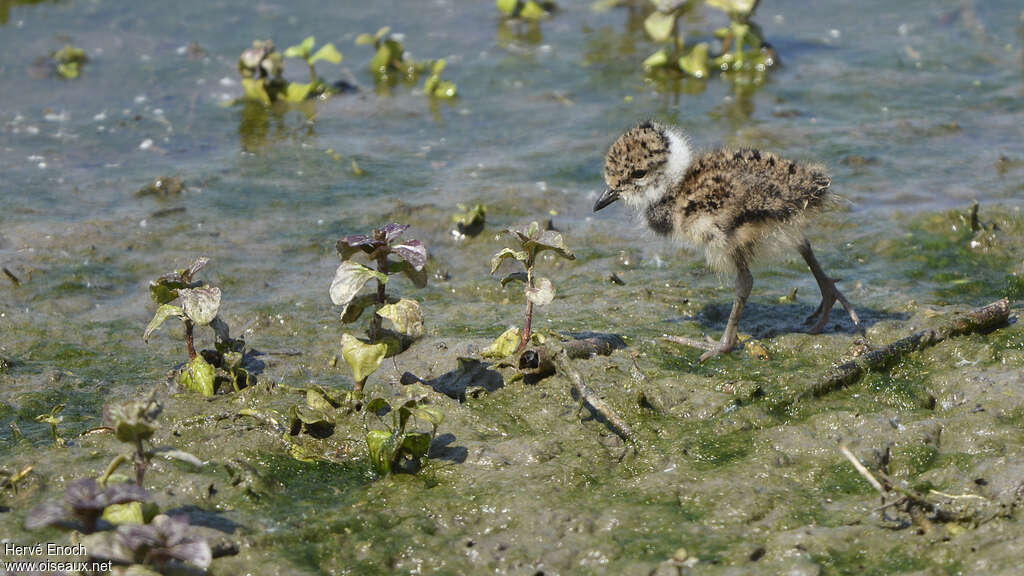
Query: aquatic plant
x=161 y=545
x=435 y=86
x=526 y=9
x=531 y=240
x=53 y=418
x=83 y=505
x=199 y=306
x=400 y=443
x=742 y=45
x=391 y=60
x=304 y=51
x=364 y=356
x=469 y=221
x=133 y=423
x=69 y=61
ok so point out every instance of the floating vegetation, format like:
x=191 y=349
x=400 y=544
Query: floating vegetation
x=365 y=355
x=435 y=86
x=199 y=306
x=400 y=445
x=742 y=49
x=68 y=61
x=526 y=9
x=539 y=291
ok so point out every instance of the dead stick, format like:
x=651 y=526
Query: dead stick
x=981 y=319
x=598 y=406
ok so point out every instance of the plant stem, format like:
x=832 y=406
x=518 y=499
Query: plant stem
x=312 y=76
x=382 y=297
x=140 y=462
x=189 y=340
x=528 y=324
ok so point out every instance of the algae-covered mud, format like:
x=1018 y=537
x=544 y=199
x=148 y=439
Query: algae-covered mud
x=134 y=141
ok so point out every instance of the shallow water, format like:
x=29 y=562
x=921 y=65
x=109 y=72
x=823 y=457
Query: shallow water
x=914 y=106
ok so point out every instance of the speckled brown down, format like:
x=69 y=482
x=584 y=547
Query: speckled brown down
x=730 y=202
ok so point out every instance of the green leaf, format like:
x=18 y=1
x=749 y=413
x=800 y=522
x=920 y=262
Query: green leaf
x=317 y=401
x=507 y=253
x=534 y=240
x=355 y=308
x=438 y=66
x=657 y=60
x=508 y=7
x=659 y=25
x=296 y=92
x=504 y=345
x=200 y=304
x=349 y=279
x=532 y=11
x=444 y=89
x=363 y=358
x=164 y=312
x=542 y=293
x=255 y=90
x=741 y=7
x=381 y=444
x=416 y=444
x=164 y=292
x=302 y=50
x=376 y=405
x=695 y=63
x=381 y=60
x=328 y=53
x=199 y=376
x=365 y=39
x=515 y=277
x=405 y=315
x=431 y=414
x=127 y=513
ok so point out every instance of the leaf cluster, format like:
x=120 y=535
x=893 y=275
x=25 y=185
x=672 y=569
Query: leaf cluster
x=391 y=256
x=69 y=61
x=526 y=9
x=392 y=63
x=400 y=441
x=161 y=545
x=532 y=240
x=469 y=221
x=83 y=505
x=262 y=71
x=742 y=47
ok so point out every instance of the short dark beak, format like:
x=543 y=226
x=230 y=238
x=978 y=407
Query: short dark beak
x=607 y=198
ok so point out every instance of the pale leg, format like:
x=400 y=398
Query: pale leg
x=744 y=283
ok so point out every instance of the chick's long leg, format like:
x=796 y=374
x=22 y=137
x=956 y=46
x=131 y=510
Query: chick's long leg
x=744 y=283
x=829 y=293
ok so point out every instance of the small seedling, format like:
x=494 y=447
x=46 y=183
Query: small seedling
x=526 y=9
x=83 y=505
x=53 y=418
x=364 y=356
x=391 y=60
x=469 y=221
x=199 y=305
x=69 y=61
x=435 y=86
x=262 y=70
x=399 y=442
x=304 y=51
x=133 y=423
x=539 y=291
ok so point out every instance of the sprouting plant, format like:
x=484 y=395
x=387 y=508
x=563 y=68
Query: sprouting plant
x=742 y=47
x=391 y=60
x=83 y=505
x=69 y=61
x=10 y=480
x=262 y=70
x=539 y=291
x=365 y=356
x=199 y=305
x=160 y=544
x=435 y=86
x=53 y=418
x=304 y=51
x=469 y=221
x=526 y=9
x=400 y=441
x=133 y=423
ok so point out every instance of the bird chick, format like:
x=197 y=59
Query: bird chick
x=730 y=202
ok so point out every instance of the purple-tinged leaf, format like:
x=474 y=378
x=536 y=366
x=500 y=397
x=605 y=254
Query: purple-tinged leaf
x=413 y=252
x=349 y=245
x=392 y=231
x=193 y=551
x=48 y=514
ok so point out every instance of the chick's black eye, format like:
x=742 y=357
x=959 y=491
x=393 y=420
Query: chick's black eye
x=638 y=174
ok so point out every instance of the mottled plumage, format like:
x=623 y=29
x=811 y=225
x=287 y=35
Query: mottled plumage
x=730 y=202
